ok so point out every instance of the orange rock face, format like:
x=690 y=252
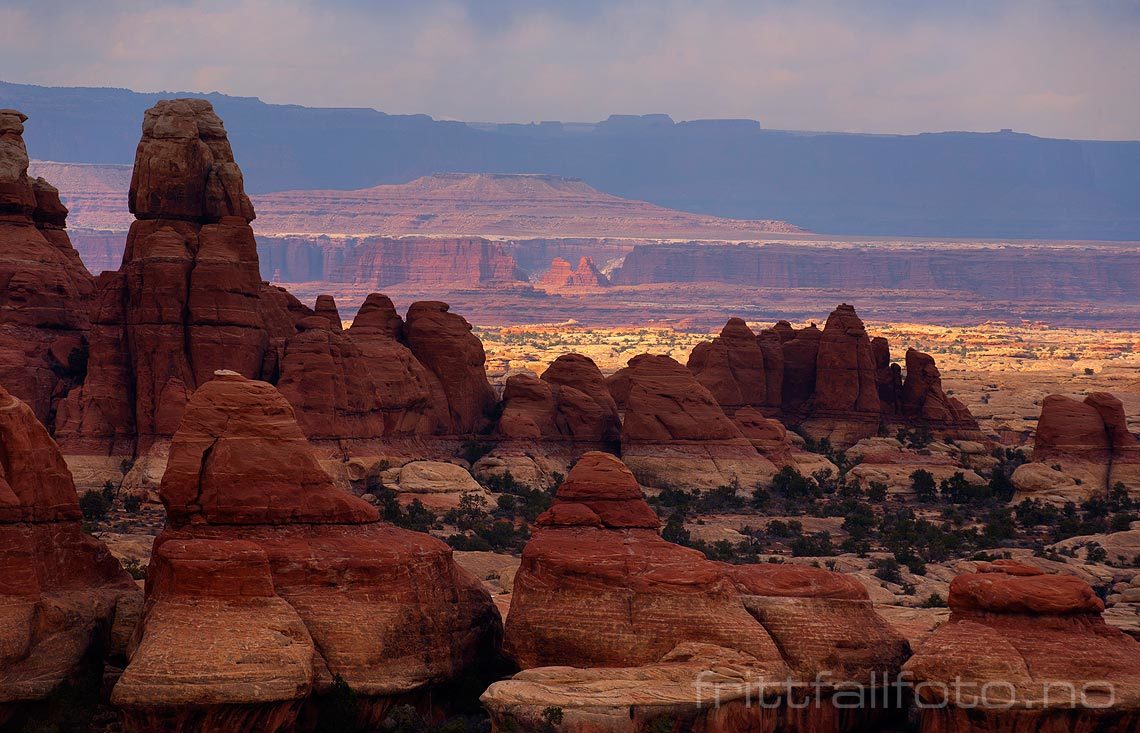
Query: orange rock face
x=1026 y=651
x=298 y=581
x=563 y=277
x=61 y=591
x=569 y=402
x=43 y=285
x=599 y=588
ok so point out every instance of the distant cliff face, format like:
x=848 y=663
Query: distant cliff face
x=461 y=262
x=937 y=185
x=1023 y=272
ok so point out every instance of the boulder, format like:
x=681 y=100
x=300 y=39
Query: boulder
x=64 y=599
x=1026 y=651
x=300 y=581
x=438 y=486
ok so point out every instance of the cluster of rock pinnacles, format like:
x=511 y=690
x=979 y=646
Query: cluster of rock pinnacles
x=270 y=587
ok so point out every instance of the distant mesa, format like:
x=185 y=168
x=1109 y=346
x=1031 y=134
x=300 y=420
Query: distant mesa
x=510 y=205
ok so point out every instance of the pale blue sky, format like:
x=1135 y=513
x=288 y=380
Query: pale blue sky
x=1063 y=69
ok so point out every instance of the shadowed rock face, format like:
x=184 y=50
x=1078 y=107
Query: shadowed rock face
x=600 y=590
x=43 y=285
x=61 y=591
x=1030 y=636
x=298 y=581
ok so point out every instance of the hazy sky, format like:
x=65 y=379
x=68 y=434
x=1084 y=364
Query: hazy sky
x=1064 y=69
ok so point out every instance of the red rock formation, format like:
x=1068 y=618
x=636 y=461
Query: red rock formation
x=598 y=588
x=61 y=591
x=1016 y=645
x=569 y=402
x=297 y=581
x=562 y=277
x=43 y=284
x=836 y=383
x=675 y=432
x=326 y=308
x=1090 y=440
x=732 y=368
x=442 y=341
x=188 y=299
x=408 y=394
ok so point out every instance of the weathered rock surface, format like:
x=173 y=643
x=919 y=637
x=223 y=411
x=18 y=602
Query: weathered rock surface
x=675 y=432
x=44 y=287
x=438 y=486
x=298 y=582
x=1026 y=651
x=734 y=368
x=1082 y=448
x=61 y=591
x=599 y=588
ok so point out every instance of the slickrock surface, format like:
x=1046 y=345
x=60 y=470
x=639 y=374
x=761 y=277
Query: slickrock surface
x=674 y=430
x=298 y=582
x=43 y=285
x=599 y=589
x=1089 y=441
x=61 y=591
x=1041 y=643
x=563 y=276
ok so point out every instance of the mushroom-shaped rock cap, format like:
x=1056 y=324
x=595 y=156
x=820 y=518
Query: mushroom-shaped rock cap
x=1014 y=589
x=601 y=484
x=239 y=457
x=35 y=485
x=184 y=166
x=16 y=196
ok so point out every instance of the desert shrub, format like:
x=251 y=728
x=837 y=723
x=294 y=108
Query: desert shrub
x=922 y=483
x=934 y=600
x=94 y=506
